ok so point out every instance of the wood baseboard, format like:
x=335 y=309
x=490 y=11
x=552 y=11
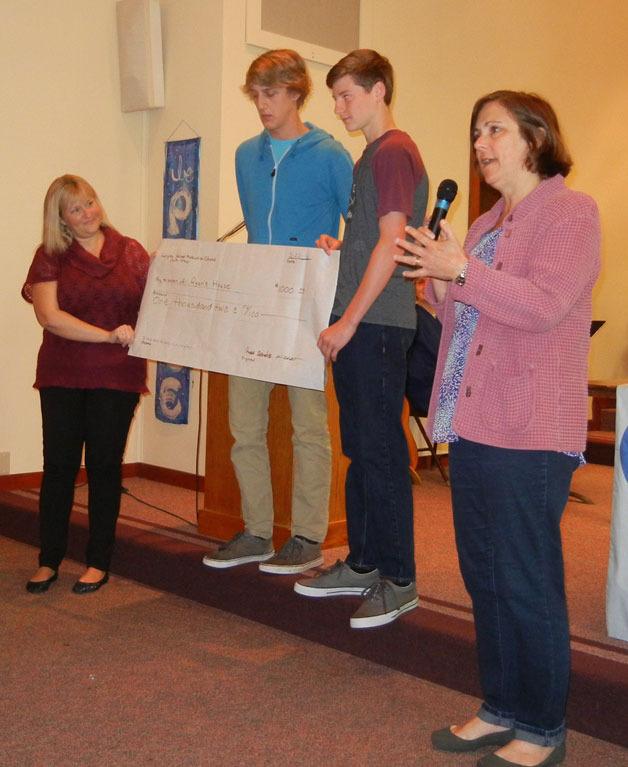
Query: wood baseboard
x=183 y=479
x=170 y=476
x=25 y=481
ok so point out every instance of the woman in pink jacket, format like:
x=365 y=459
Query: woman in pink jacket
x=510 y=396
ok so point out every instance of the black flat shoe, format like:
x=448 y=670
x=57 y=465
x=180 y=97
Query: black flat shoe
x=80 y=587
x=557 y=756
x=39 y=587
x=446 y=740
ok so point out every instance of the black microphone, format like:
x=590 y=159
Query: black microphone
x=445 y=195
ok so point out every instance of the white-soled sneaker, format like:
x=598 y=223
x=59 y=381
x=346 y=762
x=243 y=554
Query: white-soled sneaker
x=295 y=556
x=240 y=550
x=338 y=580
x=383 y=603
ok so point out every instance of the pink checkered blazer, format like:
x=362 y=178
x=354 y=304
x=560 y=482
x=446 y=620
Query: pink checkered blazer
x=525 y=378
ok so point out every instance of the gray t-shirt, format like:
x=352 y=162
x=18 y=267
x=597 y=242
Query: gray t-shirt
x=389 y=176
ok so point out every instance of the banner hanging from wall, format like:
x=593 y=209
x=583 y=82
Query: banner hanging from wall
x=172 y=393
x=180 y=216
x=180 y=221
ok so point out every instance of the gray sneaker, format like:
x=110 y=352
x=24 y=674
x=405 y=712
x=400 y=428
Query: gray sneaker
x=383 y=602
x=338 y=580
x=295 y=556
x=242 y=548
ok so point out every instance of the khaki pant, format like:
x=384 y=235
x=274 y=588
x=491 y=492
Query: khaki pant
x=311 y=461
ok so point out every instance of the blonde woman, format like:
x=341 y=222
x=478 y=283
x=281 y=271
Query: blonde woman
x=85 y=283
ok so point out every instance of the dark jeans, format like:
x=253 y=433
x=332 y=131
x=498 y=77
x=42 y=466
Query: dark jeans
x=370 y=381
x=507 y=510
x=98 y=419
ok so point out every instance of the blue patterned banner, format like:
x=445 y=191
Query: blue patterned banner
x=180 y=221
x=172 y=392
x=180 y=215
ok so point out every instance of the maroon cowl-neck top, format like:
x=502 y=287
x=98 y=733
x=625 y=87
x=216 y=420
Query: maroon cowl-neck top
x=105 y=292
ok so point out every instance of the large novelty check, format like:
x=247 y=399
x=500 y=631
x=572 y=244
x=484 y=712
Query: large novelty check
x=246 y=310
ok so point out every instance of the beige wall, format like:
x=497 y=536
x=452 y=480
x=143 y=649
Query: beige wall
x=572 y=53
x=192 y=44
x=62 y=114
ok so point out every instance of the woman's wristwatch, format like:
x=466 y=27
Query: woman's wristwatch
x=462 y=276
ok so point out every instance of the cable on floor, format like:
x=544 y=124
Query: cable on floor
x=125 y=491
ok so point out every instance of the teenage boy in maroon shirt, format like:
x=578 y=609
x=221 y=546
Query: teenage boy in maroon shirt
x=372 y=326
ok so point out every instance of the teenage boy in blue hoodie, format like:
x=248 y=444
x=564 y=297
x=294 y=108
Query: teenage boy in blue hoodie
x=294 y=182
x=372 y=327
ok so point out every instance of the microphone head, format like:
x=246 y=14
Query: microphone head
x=447 y=190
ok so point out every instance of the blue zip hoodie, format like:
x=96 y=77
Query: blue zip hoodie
x=300 y=198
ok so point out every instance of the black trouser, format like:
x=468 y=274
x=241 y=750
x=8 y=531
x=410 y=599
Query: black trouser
x=98 y=419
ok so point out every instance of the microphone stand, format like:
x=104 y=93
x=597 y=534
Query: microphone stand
x=231 y=232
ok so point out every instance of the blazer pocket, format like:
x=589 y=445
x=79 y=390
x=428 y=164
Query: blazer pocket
x=508 y=401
